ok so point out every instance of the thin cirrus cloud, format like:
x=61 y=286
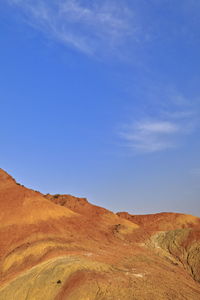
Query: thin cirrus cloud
x=153 y=134
x=150 y=135
x=164 y=124
x=86 y=26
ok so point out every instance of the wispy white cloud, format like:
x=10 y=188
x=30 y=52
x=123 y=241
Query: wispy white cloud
x=90 y=27
x=150 y=135
x=157 y=127
x=105 y=26
x=169 y=123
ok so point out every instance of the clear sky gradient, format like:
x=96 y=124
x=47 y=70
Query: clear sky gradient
x=101 y=99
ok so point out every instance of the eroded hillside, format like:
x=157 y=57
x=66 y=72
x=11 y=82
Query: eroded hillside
x=63 y=247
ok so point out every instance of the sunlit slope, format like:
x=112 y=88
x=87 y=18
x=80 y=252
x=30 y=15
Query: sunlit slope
x=162 y=221
x=27 y=220
x=19 y=205
x=63 y=247
x=78 y=278
x=174 y=236
x=33 y=229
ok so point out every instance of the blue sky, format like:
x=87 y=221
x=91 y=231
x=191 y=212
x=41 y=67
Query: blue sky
x=101 y=99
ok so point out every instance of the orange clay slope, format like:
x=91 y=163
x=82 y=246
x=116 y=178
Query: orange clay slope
x=63 y=247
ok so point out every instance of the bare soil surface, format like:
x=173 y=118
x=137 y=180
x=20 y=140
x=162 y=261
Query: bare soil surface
x=62 y=247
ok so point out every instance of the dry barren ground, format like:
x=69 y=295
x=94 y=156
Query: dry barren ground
x=62 y=247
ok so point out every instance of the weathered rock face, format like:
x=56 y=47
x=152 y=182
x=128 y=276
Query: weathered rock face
x=176 y=236
x=63 y=247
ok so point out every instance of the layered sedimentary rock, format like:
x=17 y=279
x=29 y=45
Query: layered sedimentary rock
x=63 y=247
